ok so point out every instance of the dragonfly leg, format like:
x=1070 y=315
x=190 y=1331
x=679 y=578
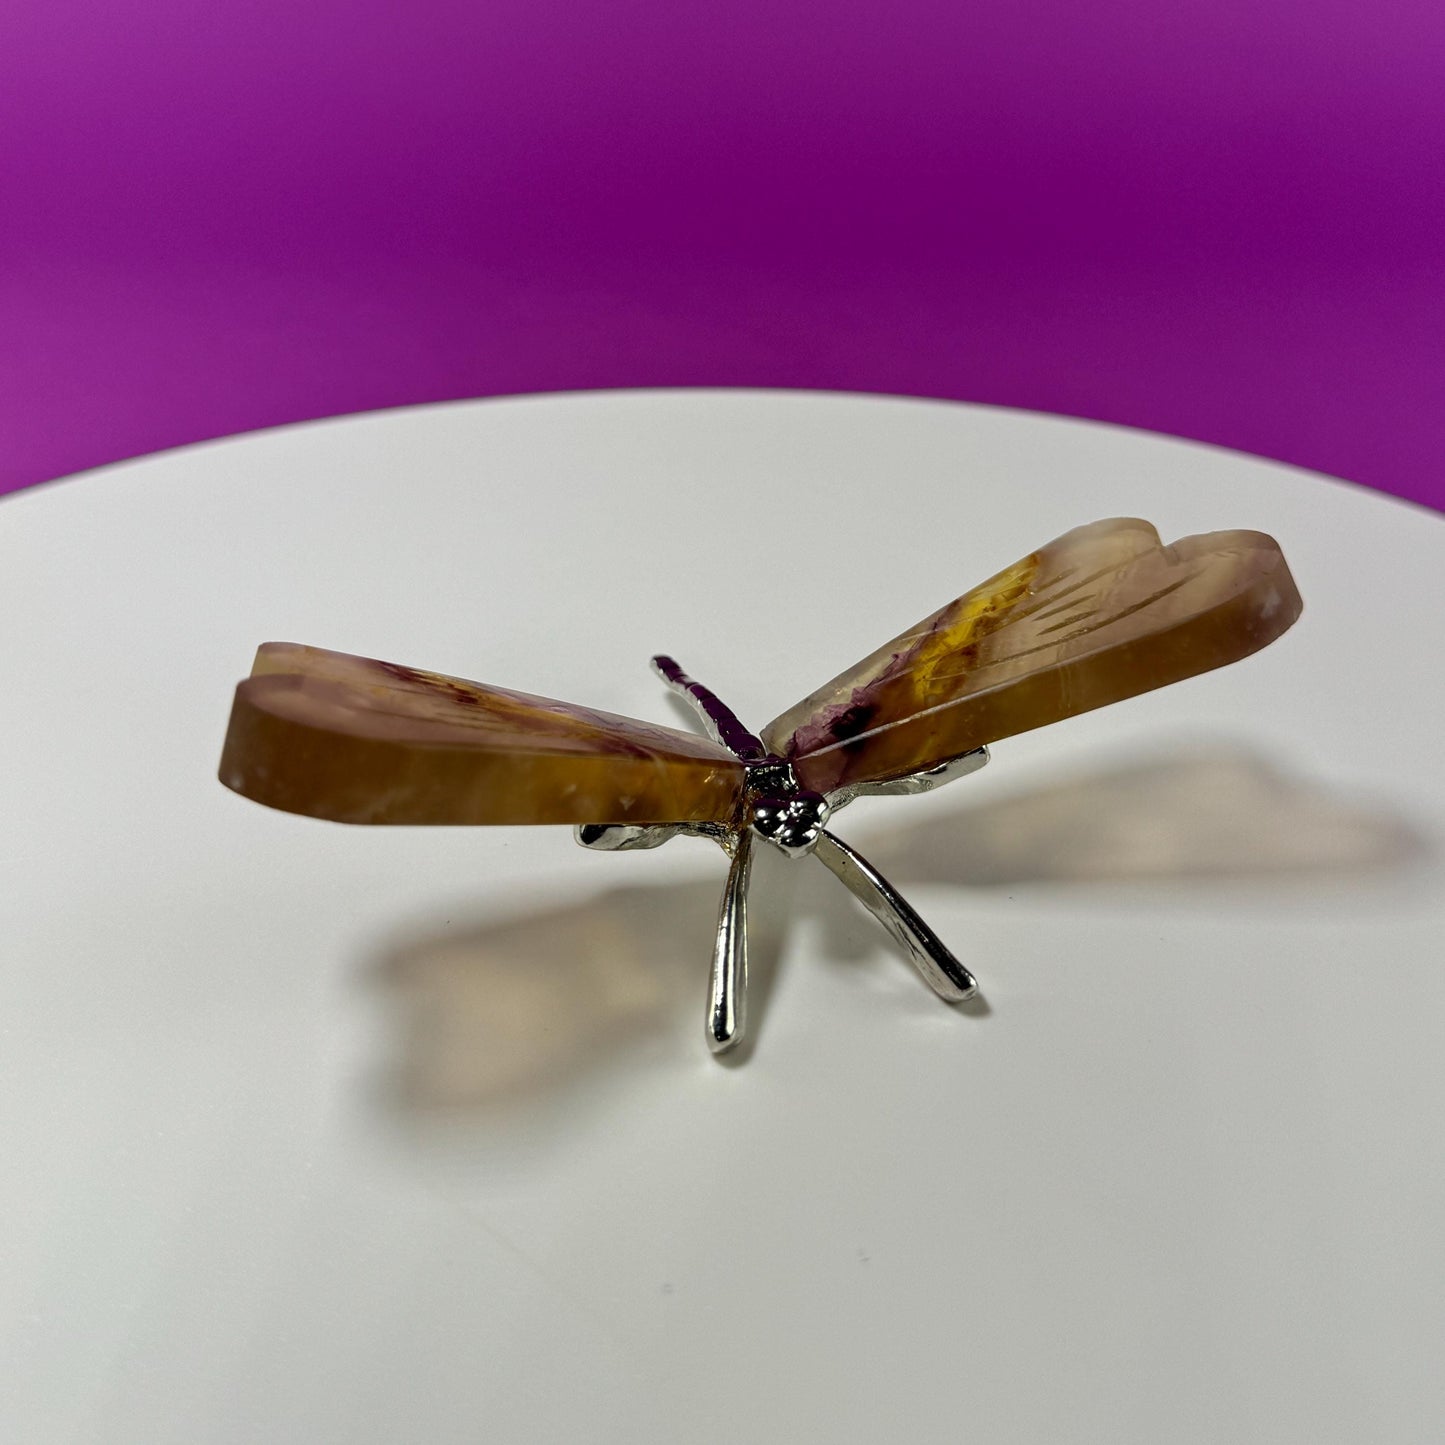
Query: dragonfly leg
x=943 y=973
x=923 y=781
x=727 y=994
x=626 y=837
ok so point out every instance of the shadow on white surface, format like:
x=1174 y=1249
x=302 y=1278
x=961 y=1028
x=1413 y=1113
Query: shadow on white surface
x=494 y=1012
x=509 y=1014
x=1199 y=813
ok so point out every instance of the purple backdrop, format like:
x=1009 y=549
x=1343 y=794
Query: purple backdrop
x=1218 y=219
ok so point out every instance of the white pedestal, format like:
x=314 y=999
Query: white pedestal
x=314 y=1134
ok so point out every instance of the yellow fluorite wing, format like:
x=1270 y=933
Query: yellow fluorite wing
x=359 y=741
x=1102 y=613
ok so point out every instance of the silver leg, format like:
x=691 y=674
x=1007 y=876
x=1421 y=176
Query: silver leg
x=624 y=837
x=912 y=784
x=727 y=998
x=943 y=973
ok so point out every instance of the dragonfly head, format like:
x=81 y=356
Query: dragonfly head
x=789 y=818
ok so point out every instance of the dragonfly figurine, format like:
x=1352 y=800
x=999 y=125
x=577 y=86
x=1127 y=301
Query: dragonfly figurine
x=1103 y=613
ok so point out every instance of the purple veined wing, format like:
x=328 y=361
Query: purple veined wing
x=1103 y=613
x=359 y=741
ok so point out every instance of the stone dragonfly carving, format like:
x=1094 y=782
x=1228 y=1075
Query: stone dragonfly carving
x=1103 y=613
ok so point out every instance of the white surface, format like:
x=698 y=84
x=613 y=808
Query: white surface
x=304 y=1141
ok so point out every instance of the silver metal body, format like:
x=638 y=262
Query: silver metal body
x=792 y=819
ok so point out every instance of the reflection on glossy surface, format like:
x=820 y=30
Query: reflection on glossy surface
x=499 y=1013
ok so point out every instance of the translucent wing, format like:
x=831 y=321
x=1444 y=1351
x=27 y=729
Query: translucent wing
x=1103 y=613
x=358 y=741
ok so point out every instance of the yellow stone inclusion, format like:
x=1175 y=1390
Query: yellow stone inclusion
x=938 y=658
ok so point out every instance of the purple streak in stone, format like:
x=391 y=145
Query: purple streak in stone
x=722 y=721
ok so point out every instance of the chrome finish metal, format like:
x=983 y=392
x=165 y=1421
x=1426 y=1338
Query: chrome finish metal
x=791 y=821
x=772 y=775
x=776 y=808
x=624 y=837
x=728 y=995
x=923 y=781
x=943 y=973
x=627 y=837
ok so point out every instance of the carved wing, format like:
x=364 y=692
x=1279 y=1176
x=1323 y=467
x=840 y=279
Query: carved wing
x=358 y=741
x=1102 y=613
